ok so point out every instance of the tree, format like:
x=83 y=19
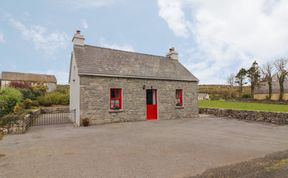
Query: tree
x=9 y=97
x=253 y=73
x=231 y=83
x=282 y=72
x=231 y=80
x=267 y=71
x=240 y=79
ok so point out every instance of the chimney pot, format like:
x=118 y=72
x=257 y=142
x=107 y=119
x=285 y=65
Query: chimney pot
x=172 y=54
x=78 y=39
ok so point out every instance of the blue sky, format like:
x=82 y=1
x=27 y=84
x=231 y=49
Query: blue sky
x=213 y=38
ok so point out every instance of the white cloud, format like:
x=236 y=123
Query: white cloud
x=228 y=34
x=78 y=4
x=47 y=42
x=124 y=47
x=2 y=39
x=171 y=11
x=84 y=24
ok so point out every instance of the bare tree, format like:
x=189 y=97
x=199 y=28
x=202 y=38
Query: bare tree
x=282 y=72
x=267 y=71
x=231 y=83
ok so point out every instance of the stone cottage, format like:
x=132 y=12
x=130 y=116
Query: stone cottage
x=28 y=80
x=109 y=85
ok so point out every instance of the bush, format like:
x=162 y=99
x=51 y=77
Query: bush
x=27 y=104
x=62 y=89
x=19 y=107
x=9 y=97
x=44 y=101
x=27 y=93
x=246 y=96
x=54 y=98
x=39 y=90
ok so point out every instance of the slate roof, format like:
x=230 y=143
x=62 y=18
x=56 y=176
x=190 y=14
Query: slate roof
x=264 y=89
x=28 y=77
x=98 y=61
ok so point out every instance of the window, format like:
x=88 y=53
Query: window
x=115 y=98
x=179 y=97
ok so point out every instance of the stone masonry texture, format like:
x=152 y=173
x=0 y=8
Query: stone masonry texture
x=279 y=118
x=95 y=99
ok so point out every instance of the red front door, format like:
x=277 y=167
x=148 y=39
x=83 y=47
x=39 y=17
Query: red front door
x=151 y=104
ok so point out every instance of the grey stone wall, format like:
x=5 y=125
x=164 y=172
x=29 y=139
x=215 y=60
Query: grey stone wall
x=21 y=125
x=95 y=91
x=279 y=118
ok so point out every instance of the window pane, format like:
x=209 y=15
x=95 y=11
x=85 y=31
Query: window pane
x=117 y=102
x=117 y=93
x=112 y=93
x=179 y=97
x=149 y=96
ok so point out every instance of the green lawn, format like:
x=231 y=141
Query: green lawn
x=243 y=105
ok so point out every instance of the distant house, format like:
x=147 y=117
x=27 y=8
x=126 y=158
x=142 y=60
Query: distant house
x=262 y=92
x=203 y=96
x=28 y=79
x=108 y=85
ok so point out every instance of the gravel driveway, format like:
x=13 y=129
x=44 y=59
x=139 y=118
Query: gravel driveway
x=167 y=148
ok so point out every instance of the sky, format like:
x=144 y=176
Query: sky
x=213 y=38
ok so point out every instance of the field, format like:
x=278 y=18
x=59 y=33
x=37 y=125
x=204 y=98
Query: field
x=222 y=89
x=243 y=105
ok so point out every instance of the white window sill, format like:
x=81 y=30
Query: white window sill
x=179 y=107
x=116 y=111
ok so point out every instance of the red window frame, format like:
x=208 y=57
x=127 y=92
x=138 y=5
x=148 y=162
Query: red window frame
x=115 y=98
x=179 y=97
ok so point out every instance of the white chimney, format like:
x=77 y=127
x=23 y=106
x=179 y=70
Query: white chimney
x=78 y=39
x=172 y=54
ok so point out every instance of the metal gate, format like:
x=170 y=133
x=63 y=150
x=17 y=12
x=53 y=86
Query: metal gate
x=54 y=118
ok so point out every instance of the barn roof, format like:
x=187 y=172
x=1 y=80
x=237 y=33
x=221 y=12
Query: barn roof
x=98 y=61
x=28 y=77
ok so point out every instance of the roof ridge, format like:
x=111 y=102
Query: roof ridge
x=27 y=73
x=133 y=52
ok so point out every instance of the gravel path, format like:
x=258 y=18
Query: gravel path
x=170 y=148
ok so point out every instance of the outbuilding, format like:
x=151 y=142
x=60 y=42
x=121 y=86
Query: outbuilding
x=18 y=79
x=109 y=85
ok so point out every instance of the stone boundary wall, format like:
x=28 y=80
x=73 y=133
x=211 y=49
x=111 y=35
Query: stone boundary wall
x=21 y=125
x=279 y=118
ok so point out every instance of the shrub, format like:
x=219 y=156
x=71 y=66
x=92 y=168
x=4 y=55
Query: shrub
x=44 y=101
x=246 y=96
x=39 y=90
x=27 y=104
x=18 y=108
x=54 y=98
x=9 y=97
x=62 y=89
x=27 y=93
